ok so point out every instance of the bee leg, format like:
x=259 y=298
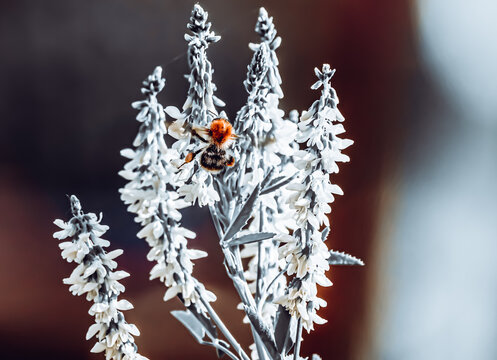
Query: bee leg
x=230 y=161
x=196 y=134
x=190 y=157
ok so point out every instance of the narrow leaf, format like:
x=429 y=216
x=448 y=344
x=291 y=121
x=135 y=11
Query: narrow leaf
x=265 y=334
x=267 y=179
x=207 y=323
x=276 y=180
x=340 y=258
x=274 y=186
x=191 y=323
x=243 y=216
x=251 y=238
x=281 y=331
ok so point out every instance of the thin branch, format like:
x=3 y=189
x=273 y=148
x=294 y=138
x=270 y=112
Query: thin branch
x=259 y=248
x=265 y=292
x=258 y=344
x=215 y=220
x=298 y=339
x=259 y=270
x=220 y=347
x=222 y=327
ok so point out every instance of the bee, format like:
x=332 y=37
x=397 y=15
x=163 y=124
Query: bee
x=218 y=137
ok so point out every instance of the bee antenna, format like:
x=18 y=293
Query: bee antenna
x=216 y=115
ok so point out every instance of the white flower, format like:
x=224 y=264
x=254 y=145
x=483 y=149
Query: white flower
x=328 y=160
x=305 y=160
x=74 y=251
x=67 y=230
x=200 y=189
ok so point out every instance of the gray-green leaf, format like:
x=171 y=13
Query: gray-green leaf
x=243 y=216
x=340 y=258
x=264 y=332
x=284 y=341
x=191 y=323
x=274 y=185
x=250 y=238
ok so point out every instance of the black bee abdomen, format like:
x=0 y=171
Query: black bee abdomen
x=213 y=158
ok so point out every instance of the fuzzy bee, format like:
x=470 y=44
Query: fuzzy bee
x=218 y=137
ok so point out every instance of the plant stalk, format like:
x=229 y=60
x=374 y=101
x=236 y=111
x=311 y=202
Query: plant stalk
x=222 y=327
x=296 y=355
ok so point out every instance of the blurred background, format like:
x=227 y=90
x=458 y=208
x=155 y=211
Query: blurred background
x=418 y=87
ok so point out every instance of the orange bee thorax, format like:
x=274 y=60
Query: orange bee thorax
x=221 y=131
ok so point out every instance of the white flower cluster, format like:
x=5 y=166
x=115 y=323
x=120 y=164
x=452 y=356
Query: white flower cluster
x=96 y=277
x=201 y=99
x=305 y=253
x=271 y=148
x=198 y=110
x=152 y=194
x=267 y=31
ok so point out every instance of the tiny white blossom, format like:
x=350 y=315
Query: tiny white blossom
x=95 y=275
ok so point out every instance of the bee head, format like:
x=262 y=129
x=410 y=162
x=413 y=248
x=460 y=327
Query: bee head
x=221 y=132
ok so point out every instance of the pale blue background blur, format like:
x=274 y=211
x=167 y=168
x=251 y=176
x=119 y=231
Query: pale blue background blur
x=439 y=280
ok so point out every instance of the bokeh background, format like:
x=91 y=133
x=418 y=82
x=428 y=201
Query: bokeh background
x=418 y=87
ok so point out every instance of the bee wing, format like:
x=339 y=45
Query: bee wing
x=202 y=131
x=199 y=128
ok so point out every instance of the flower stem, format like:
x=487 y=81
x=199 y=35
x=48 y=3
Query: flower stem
x=299 y=340
x=259 y=252
x=258 y=344
x=222 y=327
x=266 y=289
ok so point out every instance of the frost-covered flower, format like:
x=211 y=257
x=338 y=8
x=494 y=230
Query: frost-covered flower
x=267 y=31
x=305 y=253
x=268 y=146
x=264 y=147
x=95 y=276
x=201 y=102
x=156 y=192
